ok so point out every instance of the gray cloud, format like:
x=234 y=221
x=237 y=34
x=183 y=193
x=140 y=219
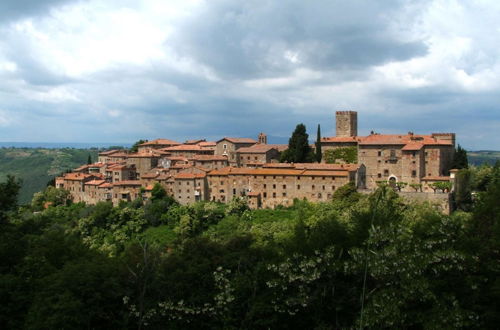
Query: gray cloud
x=254 y=39
x=11 y=10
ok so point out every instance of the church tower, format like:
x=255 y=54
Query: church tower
x=346 y=123
x=262 y=138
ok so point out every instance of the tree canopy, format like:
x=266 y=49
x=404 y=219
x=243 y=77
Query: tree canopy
x=299 y=150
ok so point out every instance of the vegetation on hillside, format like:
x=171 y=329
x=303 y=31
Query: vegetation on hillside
x=357 y=261
x=35 y=166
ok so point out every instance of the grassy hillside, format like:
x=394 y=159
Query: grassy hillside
x=483 y=156
x=35 y=167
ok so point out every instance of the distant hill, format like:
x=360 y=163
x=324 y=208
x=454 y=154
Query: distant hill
x=483 y=156
x=36 y=166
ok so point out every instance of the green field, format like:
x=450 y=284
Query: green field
x=483 y=156
x=35 y=166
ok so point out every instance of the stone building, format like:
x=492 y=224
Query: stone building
x=258 y=154
x=120 y=172
x=211 y=162
x=188 y=150
x=393 y=157
x=190 y=187
x=275 y=186
x=228 y=146
x=127 y=191
x=143 y=162
x=153 y=145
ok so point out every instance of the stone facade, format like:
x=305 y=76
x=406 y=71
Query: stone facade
x=346 y=123
x=228 y=147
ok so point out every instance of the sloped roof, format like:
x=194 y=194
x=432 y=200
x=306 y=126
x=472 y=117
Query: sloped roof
x=261 y=148
x=238 y=140
x=159 y=142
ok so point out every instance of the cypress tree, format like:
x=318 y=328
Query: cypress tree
x=318 y=145
x=89 y=160
x=460 y=160
x=298 y=150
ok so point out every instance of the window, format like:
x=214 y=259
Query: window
x=312 y=187
x=180 y=191
x=284 y=194
x=241 y=157
x=379 y=175
x=248 y=158
x=413 y=173
x=323 y=178
x=284 y=186
x=274 y=195
x=386 y=172
x=265 y=185
x=265 y=194
x=274 y=176
x=298 y=187
x=333 y=187
x=224 y=146
x=380 y=153
x=234 y=191
x=298 y=178
x=256 y=158
x=393 y=153
x=274 y=186
x=414 y=153
x=319 y=195
x=323 y=187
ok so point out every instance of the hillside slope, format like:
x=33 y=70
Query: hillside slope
x=35 y=166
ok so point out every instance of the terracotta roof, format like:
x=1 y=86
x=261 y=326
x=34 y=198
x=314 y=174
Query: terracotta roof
x=120 y=167
x=160 y=142
x=95 y=182
x=194 y=141
x=149 y=187
x=238 y=140
x=190 y=175
x=341 y=139
x=81 y=168
x=184 y=147
x=313 y=166
x=394 y=139
x=206 y=144
x=149 y=175
x=261 y=148
x=109 y=152
x=274 y=171
x=119 y=155
x=253 y=194
x=180 y=166
x=208 y=157
x=143 y=155
x=413 y=146
x=436 y=178
x=106 y=185
x=97 y=165
x=128 y=183
x=78 y=176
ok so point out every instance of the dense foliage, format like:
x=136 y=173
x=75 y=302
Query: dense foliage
x=357 y=261
x=347 y=155
x=299 y=150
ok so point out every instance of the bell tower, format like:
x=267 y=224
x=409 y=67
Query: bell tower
x=346 y=123
x=262 y=138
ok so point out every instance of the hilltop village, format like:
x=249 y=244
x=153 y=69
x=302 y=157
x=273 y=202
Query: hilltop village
x=200 y=170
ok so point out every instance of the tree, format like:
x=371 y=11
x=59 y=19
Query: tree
x=158 y=192
x=89 y=160
x=318 y=145
x=460 y=158
x=298 y=150
x=9 y=191
x=135 y=146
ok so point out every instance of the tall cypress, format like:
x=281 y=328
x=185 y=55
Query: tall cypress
x=318 y=145
x=298 y=150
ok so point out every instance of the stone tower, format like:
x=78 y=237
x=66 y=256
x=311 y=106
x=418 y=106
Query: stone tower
x=262 y=138
x=346 y=123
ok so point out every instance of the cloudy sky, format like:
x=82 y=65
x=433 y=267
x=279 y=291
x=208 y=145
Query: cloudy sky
x=120 y=70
